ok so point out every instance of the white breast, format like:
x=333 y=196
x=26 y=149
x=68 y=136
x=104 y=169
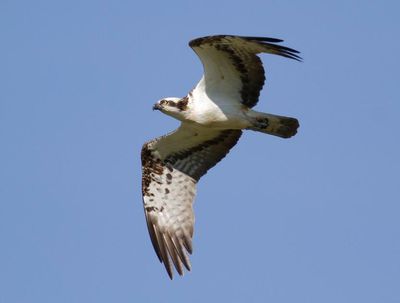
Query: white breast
x=214 y=110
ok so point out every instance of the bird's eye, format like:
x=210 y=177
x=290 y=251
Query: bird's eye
x=162 y=102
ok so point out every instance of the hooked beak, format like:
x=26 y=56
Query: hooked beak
x=156 y=107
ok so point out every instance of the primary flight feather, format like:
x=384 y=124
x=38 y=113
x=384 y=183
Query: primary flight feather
x=212 y=117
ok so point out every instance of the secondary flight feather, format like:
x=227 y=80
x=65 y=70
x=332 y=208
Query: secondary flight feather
x=213 y=116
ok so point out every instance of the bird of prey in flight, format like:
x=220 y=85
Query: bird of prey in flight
x=213 y=116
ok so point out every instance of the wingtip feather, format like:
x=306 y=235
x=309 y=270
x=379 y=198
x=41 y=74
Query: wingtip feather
x=262 y=39
x=173 y=254
x=169 y=248
x=265 y=41
x=163 y=252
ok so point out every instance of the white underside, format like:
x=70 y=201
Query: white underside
x=210 y=108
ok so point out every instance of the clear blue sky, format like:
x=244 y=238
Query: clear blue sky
x=311 y=219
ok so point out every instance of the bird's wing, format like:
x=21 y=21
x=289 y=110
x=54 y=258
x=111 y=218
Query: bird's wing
x=171 y=167
x=232 y=68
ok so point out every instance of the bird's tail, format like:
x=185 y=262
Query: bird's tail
x=281 y=126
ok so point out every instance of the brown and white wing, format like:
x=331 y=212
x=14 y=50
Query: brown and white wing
x=171 y=167
x=232 y=67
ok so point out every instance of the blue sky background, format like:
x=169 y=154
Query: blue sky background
x=310 y=219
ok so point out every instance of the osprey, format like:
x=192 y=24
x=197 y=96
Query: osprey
x=212 y=117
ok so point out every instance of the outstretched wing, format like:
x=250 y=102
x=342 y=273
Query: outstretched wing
x=232 y=67
x=171 y=167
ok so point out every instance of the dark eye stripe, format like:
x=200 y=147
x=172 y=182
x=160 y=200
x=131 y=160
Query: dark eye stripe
x=168 y=102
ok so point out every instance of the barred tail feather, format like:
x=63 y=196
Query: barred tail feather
x=281 y=126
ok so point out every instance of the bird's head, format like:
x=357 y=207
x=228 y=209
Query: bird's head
x=175 y=107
